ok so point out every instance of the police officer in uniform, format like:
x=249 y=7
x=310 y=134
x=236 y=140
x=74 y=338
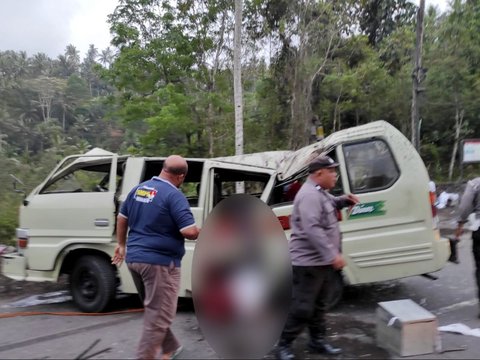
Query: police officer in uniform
x=315 y=250
x=469 y=204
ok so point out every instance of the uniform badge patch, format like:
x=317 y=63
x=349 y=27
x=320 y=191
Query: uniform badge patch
x=145 y=194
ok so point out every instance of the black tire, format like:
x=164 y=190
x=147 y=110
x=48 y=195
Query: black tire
x=336 y=292
x=92 y=283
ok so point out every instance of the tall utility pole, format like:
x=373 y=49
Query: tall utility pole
x=237 y=79
x=418 y=75
x=237 y=85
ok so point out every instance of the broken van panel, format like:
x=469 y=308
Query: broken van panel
x=270 y=159
x=297 y=161
x=67 y=223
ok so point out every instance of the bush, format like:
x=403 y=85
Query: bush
x=8 y=219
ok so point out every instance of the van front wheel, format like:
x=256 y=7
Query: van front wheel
x=92 y=283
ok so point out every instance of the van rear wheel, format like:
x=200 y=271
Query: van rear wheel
x=92 y=283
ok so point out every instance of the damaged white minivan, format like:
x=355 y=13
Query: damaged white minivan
x=67 y=223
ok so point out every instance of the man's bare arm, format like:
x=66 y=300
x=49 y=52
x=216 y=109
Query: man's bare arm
x=122 y=227
x=191 y=232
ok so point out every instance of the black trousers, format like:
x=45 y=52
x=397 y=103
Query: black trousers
x=476 y=257
x=311 y=285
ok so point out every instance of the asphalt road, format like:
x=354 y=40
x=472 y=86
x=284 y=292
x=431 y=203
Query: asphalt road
x=452 y=298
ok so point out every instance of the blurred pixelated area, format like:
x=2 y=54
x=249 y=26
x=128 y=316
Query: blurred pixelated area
x=241 y=278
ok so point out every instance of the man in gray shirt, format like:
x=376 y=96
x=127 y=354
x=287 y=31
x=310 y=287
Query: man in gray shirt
x=315 y=249
x=469 y=204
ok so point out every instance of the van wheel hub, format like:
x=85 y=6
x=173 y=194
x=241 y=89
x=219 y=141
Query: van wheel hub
x=93 y=283
x=88 y=285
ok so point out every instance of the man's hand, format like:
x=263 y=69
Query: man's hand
x=338 y=262
x=119 y=255
x=352 y=199
x=458 y=231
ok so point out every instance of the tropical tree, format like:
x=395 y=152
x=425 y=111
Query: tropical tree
x=106 y=57
x=163 y=70
x=380 y=18
x=88 y=67
x=41 y=65
x=67 y=63
x=47 y=89
x=453 y=77
x=13 y=67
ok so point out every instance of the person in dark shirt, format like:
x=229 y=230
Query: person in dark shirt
x=158 y=219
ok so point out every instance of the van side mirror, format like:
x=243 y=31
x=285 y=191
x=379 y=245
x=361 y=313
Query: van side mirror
x=21 y=191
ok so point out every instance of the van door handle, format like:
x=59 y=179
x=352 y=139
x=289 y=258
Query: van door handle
x=102 y=222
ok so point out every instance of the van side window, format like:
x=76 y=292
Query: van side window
x=80 y=180
x=191 y=190
x=225 y=183
x=370 y=166
x=192 y=183
x=284 y=192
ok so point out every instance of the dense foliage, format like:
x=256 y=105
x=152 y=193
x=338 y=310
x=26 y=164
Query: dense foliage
x=166 y=84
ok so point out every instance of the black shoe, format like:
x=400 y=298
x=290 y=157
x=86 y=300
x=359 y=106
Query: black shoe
x=321 y=346
x=284 y=353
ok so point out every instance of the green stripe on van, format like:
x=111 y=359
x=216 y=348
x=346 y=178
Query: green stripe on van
x=363 y=210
